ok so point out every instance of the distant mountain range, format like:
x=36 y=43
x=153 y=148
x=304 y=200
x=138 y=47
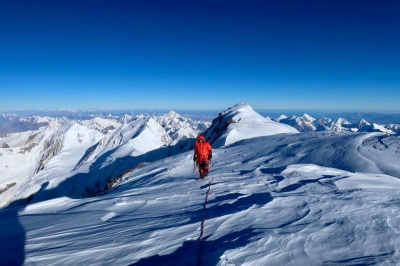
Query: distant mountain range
x=357 y=121
x=372 y=117
x=173 y=122
x=306 y=123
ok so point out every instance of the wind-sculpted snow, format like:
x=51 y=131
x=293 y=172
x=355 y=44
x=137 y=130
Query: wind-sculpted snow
x=384 y=151
x=264 y=208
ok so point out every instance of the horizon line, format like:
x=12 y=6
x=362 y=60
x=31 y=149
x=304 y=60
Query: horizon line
x=383 y=111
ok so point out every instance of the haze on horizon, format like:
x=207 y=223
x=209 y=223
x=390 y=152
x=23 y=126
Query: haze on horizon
x=200 y=55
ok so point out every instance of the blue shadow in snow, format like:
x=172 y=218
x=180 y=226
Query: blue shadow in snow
x=12 y=234
x=211 y=251
x=188 y=253
x=217 y=207
x=276 y=170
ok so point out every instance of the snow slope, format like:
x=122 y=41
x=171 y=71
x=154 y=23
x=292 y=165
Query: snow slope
x=138 y=137
x=21 y=159
x=273 y=197
x=268 y=203
x=53 y=154
x=78 y=156
x=77 y=161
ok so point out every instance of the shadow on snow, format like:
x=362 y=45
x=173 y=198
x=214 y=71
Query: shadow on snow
x=13 y=234
x=188 y=253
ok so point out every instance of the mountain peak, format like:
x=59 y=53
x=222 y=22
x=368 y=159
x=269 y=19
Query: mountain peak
x=364 y=122
x=172 y=114
x=308 y=118
x=242 y=122
x=281 y=117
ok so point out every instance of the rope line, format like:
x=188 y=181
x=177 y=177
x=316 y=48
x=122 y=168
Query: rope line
x=203 y=223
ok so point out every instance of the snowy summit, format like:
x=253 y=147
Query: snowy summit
x=242 y=122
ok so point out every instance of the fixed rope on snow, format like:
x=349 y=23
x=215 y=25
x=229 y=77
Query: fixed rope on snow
x=203 y=224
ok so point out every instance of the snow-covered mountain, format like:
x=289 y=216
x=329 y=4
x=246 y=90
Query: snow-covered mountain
x=60 y=152
x=303 y=123
x=306 y=123
x=181 y=128
x=365 y=126
x=273 y=197
x=11 y=123
x=138 y=137
x=101 y=124
x=242 y=122
x=177 y=126
x=394 y=127
x=339 y=124
x=52 y=151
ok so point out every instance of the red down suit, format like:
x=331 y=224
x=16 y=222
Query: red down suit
x=202 y=155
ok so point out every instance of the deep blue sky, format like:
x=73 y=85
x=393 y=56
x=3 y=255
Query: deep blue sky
x=191 y=54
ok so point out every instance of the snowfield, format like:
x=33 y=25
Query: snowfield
x=283 y=198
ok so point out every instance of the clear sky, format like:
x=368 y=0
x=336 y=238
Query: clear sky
x=191 y=54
